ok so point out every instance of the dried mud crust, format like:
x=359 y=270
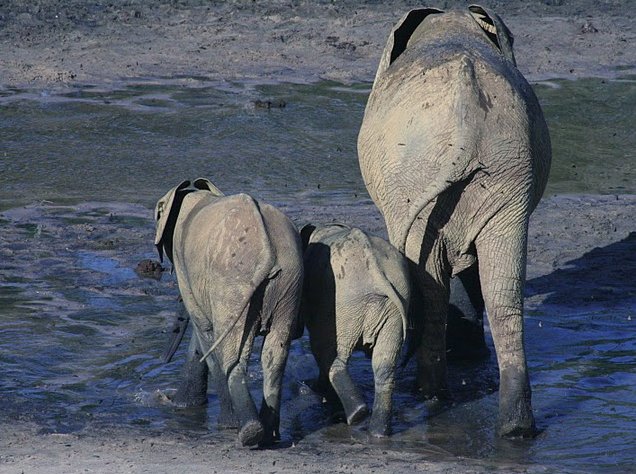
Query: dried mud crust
x=59 y=44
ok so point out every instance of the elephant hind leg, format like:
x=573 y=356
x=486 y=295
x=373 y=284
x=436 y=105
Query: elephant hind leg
x=227 y=419
x=431 y=353
x=385 y=357
x=465 y=338
x=354 y=405
x=273 y=360
x=502 y=260
x=322 y=339
x=250 y=428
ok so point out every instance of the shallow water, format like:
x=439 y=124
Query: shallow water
x=133 y=145
x=81 y=335
x=130 y=145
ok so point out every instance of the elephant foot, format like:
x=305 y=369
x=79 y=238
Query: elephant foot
x=358 y=414
x=322 y=387
x=519 y=424
x=193 y=389
x=271 y=421
x=379 y=427
x=515 y=431
x=354 y=406
x=515 y=408
x=431 y=383
x=269 y=438
x=433 y=391
x=431 y=374
x=251 y=433
x=188 y=400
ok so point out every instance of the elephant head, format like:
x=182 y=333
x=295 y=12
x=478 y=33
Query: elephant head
x=167 y=210
x=490 y=24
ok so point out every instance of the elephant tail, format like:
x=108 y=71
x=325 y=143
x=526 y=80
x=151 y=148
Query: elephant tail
x=430 y=193
x=265 y=265
x=383 y=282
x=394 y=296
x=271 y=274
x=443 y=181
x=459 y=160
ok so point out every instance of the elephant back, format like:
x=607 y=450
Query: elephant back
x=448 y=111
x=373 y=267
x=224 y=250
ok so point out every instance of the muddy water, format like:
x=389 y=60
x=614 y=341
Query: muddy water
x=131 y=145
x=81 y=334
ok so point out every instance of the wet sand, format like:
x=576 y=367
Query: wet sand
x=125 y=451
x=60 y=44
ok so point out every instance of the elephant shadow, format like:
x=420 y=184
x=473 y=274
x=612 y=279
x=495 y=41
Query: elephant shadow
x=603 y=277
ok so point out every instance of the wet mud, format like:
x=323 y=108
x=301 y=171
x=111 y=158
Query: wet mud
x=92 y=332
x=103 y=107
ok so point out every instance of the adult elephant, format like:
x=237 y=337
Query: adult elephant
x=455 y=152
x=239 y=268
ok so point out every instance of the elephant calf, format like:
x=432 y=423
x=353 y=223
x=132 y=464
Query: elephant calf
x=356 y=295
x=239 y=268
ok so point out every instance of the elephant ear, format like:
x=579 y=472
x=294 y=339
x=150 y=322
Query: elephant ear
x=166 y=212
x=495 y=30
x=305 y=234
x=400 y=34
x=206 y=185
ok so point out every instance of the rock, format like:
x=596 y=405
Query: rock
x=588 y=27
x=149 y=269
x=268 y=104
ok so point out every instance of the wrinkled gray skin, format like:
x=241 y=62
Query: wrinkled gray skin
x=455 y=152
x=356 y=295
x=239 y=268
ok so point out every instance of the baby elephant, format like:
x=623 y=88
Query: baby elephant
x=355 y=296
x=239 y=268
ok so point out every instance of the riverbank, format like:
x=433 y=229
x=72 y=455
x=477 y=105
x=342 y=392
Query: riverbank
x=64 y=44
